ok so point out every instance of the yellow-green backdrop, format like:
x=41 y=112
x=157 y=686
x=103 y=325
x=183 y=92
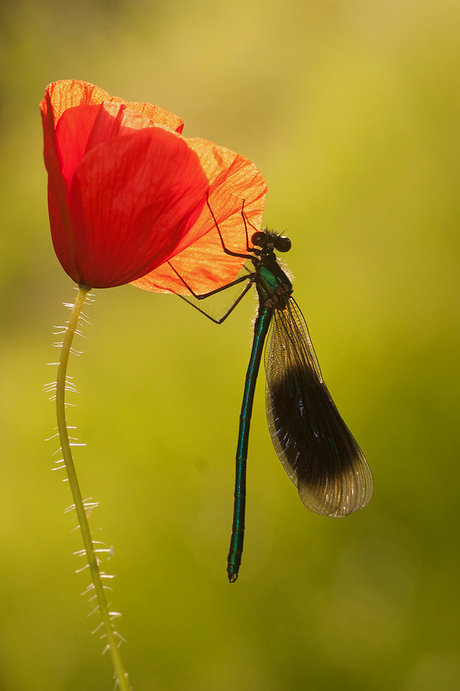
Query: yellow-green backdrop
x=350 y=108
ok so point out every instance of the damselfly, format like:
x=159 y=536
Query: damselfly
x=313 y=443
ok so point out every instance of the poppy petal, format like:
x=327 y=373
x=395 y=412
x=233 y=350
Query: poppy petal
x=131 y=200
x=80 y=129
x=204 y=265
x=65 y=94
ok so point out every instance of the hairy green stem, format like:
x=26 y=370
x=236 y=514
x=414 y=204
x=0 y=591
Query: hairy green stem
x=112 y=646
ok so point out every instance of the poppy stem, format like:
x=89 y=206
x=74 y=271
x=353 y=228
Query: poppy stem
x=111 y=643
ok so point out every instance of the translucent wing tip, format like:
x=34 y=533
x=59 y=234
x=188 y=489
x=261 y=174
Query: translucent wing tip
x=341 y=497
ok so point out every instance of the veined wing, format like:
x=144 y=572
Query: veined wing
x=313 y=443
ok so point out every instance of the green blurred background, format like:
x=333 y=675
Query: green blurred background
x=351 y=111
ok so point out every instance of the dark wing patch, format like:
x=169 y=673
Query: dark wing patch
x=313 y=443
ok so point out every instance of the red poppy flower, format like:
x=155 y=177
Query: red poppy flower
x=127 y=193
x=124 y=189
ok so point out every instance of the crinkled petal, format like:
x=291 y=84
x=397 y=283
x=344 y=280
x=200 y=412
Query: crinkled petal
x=132 y=200
x=65 y=94
x=80 y=129
x=204 y=265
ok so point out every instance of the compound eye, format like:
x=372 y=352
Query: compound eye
x=259 y=239
x=282 y=243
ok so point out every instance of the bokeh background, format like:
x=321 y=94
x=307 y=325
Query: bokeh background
x=351 y=110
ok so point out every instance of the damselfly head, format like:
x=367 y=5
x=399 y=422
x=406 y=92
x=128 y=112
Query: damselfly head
x=265 y=238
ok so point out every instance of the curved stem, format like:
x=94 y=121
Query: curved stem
x=120 y=673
